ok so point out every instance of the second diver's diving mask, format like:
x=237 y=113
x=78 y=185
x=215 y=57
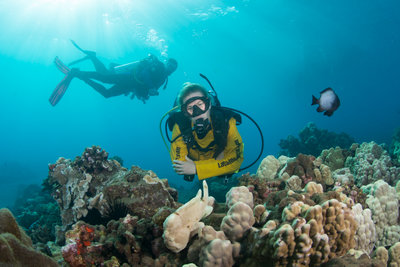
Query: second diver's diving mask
x=200 y=105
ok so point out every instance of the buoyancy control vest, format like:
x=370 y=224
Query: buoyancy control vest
x=220 y=118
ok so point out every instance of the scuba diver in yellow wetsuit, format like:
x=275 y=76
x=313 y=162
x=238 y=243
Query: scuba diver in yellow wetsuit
x=214 y=147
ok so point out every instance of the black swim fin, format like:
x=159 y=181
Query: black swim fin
x=60 y=89
x=79 y=60
x=89 y=54
x=62 y=86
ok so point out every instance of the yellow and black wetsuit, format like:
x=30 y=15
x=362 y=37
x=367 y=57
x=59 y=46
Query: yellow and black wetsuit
x=206 y=165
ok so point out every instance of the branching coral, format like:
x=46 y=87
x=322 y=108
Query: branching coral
x=94 y=160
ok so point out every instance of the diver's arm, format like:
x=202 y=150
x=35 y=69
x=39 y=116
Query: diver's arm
x=233 y=156
x=178 y=147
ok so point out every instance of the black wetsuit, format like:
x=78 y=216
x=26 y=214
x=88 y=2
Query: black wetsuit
x=149 y=73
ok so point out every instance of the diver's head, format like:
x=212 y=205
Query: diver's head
x=171 y=65
x=194 y=101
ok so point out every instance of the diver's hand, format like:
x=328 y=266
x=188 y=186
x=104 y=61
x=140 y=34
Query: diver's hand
x=220 y=156
x=184 y=167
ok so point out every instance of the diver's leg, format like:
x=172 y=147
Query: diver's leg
x=102 y=77
x=115 y=90
x=98 y=65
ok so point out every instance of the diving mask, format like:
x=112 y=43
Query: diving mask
x=196 y=106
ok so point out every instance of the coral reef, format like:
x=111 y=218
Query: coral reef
x=308 y=210
x=94 y=161
x=389 y=257
x=37 y=213
x=217 y=253
x=334 y=158
x=92 y=197
x=351 y=261
x=16 y=247
x=372 y=163
x=394 y=148
x=305 y=234
x=365 y=236
x=268 y=168
x=237 y=221
x=383 y=202
x=239 y=194
x=313 y=140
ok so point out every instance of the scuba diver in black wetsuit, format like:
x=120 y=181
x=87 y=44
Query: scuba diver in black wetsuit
x=141 y=78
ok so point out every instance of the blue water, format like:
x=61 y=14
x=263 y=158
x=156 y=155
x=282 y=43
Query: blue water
x=265 y=58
